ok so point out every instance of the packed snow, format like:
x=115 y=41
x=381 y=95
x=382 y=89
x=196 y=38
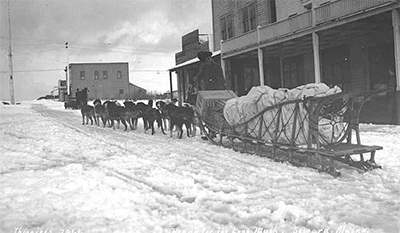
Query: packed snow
x=57 y=175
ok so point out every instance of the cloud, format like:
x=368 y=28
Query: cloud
x=146 y=33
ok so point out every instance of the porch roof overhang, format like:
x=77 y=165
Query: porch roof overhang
x=192 y=61
x=332 y=29
x=373 y=28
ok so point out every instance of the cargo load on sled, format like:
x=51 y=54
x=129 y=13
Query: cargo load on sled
x=311 y=125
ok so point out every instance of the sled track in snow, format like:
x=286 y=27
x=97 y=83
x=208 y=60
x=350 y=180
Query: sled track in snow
x=96 y=133
x=129 y=134
x=109 y=171
x=204 y=161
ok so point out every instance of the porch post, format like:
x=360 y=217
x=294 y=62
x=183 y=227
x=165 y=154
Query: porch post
x=260 y=66
x=179 y=83
x=281 y=68
x=317 y=67
x=315 y=40
x=260 y=59
x=170 y=84
x=396 y=34
x=222 y=60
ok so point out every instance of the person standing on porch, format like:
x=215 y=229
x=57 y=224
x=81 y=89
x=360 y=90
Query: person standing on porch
x=210 y=76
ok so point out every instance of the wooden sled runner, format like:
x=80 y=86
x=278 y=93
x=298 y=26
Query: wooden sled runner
x=318 y=133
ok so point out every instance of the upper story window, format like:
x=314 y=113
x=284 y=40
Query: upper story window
x=249 y=17
x=226 y=27
x=96 y=75
x=105 y=75
x=82 y=75
x=272 y=11
x=119 y=74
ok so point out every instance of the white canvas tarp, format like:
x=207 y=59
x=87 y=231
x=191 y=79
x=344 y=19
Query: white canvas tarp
x=242 y=109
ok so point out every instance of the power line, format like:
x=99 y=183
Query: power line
x=148 y=70
x=37 y=51
x=87 y=45
x=120 y=49
x=47 y=58
x=22 y=71
x=38 y=40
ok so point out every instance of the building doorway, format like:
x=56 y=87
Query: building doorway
x=293 y=71
x=245 y=74
x=381 y=66
x=336 y=69
x=382 y=109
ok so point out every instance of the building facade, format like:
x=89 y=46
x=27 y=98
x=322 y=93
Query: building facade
x=287 y=43
x=104 y=80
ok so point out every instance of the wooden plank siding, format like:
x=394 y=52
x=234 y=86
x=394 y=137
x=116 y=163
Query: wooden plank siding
x=234 y=7
x=285 y=8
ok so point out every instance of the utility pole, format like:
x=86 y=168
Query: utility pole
x=67 y=70
x=11 y=82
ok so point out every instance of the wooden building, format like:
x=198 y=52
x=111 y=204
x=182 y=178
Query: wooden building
x=354 y=44
x=104 y=80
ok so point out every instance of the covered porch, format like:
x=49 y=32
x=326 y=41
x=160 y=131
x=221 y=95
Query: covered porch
x=185 y=72
x=357 y=55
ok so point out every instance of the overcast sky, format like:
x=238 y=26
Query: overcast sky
x=145 y=33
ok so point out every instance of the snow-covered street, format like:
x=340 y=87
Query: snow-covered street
x=57 y=175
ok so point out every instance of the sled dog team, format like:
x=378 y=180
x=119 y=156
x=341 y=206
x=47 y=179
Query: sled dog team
x=111 y=112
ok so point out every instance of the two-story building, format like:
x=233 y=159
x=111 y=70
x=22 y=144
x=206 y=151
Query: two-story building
x=104 y=80
x=354 y=44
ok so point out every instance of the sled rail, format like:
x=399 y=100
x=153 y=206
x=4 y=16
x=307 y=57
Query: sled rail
x=322 y=128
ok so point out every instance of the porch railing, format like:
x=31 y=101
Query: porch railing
x=323 y=14
x=286 y=27
x=240 y=42
x=339 y=9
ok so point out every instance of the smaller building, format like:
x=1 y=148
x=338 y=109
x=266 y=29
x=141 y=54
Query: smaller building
x=136 y=92
x=104 y=80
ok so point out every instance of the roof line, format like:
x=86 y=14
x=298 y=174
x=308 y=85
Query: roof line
x=192 y=61
x=97 y=63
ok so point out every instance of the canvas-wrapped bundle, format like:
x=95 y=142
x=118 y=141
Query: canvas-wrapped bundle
x=262 y=124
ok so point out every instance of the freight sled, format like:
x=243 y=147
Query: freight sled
x=303 y=126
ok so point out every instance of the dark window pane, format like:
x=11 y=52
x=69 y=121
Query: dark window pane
x=223 y=29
